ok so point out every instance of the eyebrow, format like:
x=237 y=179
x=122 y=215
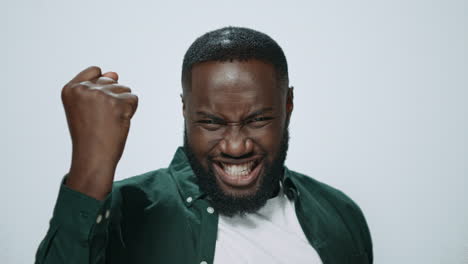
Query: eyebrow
x=252 y=115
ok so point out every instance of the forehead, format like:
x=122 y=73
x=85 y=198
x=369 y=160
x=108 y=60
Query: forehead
x=234 y=85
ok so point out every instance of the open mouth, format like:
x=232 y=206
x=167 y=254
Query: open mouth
x=239 y=174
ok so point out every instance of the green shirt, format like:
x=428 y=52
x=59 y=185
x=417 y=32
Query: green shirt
x=163 y=217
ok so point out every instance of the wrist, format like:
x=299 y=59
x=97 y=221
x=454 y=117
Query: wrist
x=94 y=181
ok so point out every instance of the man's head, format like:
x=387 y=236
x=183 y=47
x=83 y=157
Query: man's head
x=237 y=106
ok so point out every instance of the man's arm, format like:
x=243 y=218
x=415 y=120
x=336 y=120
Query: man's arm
x=78 y=229
x=98 y=111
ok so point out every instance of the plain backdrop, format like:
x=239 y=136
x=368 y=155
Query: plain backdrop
x=380 y=105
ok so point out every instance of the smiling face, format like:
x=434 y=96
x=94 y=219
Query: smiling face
x=236 y=116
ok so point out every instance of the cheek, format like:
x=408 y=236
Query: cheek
x=200 y=141
x=269 y=139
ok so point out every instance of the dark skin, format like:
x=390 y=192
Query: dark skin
x=235 y=112
x=98 y=111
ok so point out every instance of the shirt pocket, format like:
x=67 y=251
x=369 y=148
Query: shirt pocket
x=359 y=259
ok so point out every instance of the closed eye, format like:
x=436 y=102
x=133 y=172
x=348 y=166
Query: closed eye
x=259 y=119
x=210 y=124
x=259 y=122
x=207 y=121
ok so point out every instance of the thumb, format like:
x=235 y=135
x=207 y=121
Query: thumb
x=112 y=75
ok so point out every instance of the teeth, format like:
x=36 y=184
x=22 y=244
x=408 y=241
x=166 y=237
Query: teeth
x=238 y=169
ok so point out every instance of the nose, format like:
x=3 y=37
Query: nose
x=235 y=144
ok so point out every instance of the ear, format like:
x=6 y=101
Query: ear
x=183 y=105
x=290 y=101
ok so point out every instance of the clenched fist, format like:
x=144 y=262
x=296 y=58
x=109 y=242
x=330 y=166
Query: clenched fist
x=98 y=111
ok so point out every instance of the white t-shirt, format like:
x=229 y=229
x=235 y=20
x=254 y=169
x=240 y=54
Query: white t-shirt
x=271 y=235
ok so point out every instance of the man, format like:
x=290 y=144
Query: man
x=225 y=198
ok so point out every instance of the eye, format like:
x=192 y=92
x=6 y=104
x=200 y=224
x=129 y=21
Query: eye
x=207 y=121
x=259 y=119
x=209 y=124
x=258 y=122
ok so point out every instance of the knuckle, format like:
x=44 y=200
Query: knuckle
x=112 y=101
x=97 y=95
x=134 y=100
x=72 y=90
x=79 y=88
x=127 y=112
x=85 y=83
x=122 y=88
x=95 y=92
x=128 y=89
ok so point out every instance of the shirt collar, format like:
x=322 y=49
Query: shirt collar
x=184 y=177
x=289 y=184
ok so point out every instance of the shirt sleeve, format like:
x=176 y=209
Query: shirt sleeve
x=367 y=237
x=78 y=230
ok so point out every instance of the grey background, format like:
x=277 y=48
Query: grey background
x=380 y=105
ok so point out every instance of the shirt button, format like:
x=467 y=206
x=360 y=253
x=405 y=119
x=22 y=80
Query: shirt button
x=210 y=210
x=203 y=262
x=189 y=199
x=99 y=219
x=107 y=214
x=84 y=214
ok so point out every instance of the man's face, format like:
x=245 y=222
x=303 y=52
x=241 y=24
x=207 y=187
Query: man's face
x=236 y=117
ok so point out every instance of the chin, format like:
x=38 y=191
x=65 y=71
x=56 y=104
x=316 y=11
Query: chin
x=238 y=192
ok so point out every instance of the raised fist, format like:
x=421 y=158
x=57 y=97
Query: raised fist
x=98 y=111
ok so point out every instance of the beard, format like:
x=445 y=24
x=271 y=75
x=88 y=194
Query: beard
x=231 y=205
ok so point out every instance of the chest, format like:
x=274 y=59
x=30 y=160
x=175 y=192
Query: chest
x=175 y=233
x=272 y=235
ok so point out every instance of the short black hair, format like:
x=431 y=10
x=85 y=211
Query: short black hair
x=235 y=43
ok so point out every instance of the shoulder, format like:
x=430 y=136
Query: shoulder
x=321 y=190
x=145 y=180
x=331 y=198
